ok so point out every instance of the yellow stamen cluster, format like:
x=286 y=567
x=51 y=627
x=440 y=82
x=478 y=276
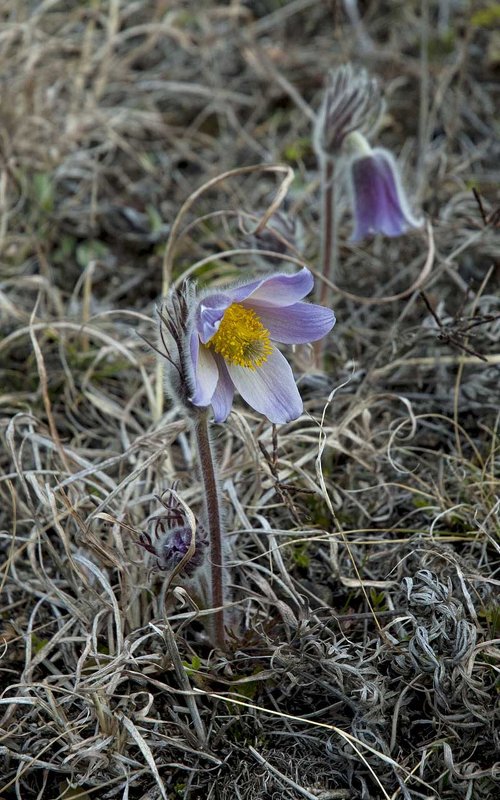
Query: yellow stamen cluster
x=242 y=339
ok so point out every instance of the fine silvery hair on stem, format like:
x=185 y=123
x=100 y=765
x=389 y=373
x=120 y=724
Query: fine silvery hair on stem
x=173 y=547
x=352 y=101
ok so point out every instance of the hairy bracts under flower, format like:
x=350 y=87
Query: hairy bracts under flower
x=351 y=102
x=174 y=322
x=233 y=344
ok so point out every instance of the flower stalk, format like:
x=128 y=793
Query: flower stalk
x=329 y=242
x=213 y=522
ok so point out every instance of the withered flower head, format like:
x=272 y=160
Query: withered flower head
x=170 y=537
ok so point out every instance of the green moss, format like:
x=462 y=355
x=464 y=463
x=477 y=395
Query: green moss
x=420 y=502
x=296 y=151
x=487 y=17
x=156 y=222
x=37 y=643
x=43 y=191
x=491 y=615
x=64 y=250
x=247 y=689
x=300 y=555
x=91 y=250
x=441 y=46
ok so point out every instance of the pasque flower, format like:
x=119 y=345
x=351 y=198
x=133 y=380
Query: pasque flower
x=378 y=199
x=232 y=344
x=212 y=344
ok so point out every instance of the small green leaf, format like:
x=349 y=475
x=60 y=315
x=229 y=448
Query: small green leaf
x=156 y=222
x=300 y=555
x=192 y=666
x=37 y=643
x=43 y=191
x=92 y=250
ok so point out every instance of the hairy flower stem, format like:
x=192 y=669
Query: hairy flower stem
x=213 y=520
x=329 y=243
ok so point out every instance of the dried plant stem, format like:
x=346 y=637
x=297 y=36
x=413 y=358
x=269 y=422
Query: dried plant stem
x=329 y=243
x=212 y=508
x=423 y=112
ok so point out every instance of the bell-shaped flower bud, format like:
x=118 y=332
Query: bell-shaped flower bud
x=379 y=201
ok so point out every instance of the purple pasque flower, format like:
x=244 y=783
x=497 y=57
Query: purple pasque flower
x=378 y=199
x=233 y=344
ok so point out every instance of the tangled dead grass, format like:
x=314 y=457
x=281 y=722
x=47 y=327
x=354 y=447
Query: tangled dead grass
x=363 y=536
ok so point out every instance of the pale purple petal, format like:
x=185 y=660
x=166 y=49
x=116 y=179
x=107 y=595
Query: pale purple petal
x=209 y=314
x=379 y=200
x=296 y=324
x=206 y=377
x=275 y=290
x=269 y=389
x=222 y=399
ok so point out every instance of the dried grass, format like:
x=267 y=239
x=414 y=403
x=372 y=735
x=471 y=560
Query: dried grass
x=364 y=537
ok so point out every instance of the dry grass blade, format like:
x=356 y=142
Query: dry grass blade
x=145 y=750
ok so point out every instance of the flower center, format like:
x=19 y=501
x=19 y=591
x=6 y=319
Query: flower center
x=242 y=339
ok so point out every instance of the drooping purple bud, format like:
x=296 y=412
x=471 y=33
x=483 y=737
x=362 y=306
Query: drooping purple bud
x=351 y=102
x=378 y=199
